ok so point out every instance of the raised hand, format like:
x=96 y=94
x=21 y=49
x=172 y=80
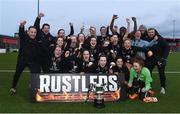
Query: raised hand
x=127 y=20
x=41 y=15
x=134 y=18
x=22 y=23
x=150 y=53
x=129 y=85
x=70 y=23
x=156 y=37
x=114 y=17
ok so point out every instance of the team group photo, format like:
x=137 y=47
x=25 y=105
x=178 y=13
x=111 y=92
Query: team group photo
x=89 y=56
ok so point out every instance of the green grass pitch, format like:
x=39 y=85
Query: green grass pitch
x=170 y=102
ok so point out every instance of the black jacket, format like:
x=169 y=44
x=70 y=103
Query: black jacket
x=123 y=70
x=83 y=66
x=98 y=69
x=29 y=48
x=161 y=49
x=45 y=40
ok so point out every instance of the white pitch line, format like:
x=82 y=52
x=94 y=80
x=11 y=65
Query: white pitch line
x=168 y=72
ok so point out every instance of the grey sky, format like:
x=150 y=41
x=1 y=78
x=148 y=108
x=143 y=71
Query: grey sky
x=58 y=13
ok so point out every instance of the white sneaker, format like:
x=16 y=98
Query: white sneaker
x=12 y=91
x=162 y=91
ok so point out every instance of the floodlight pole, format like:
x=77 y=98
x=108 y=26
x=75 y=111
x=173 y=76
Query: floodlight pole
x=174 y=28
x=38 y=8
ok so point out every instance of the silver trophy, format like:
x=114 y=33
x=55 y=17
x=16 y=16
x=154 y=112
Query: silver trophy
x=99 y=98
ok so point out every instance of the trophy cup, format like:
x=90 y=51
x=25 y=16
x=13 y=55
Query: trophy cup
x=99 y=98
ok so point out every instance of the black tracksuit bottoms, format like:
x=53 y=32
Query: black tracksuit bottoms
x=34 y=67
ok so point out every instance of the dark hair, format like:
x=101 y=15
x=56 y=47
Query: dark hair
x=156 y=32
x=60 y=30
x=32 y=27
x=82 y=34
x=138 y=60
x=82 y=51
x=151 y=29
x=93 y=37
x=57 y=47
x=102 y=27
x=45 y=24
x=119 y=58
x=85 y=50
x=122 y=28
x=145 y=28
x=58 y=38
x=102 y=56
x=73 y=36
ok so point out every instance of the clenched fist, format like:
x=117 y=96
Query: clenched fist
x=22 y=23
x=115 y=17
x=41 y=15
x=134 y=18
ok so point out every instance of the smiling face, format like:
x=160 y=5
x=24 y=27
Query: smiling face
x=119 y=62
x=57 y=52
x=93 y=42
x=86 y=55
x=60 y=41
x=102 y=61
x=103 y=31
x=32 y=33
x=81 y=37
x=46 y=29
x=61 y=33
x=137 y=67
x=151 y=33
x=127 y=44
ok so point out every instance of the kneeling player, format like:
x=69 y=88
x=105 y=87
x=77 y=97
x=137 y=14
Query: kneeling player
x=120 y=68
x=122 y=71
x=140 y=81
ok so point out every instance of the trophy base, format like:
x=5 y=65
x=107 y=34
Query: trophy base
x=99 y=103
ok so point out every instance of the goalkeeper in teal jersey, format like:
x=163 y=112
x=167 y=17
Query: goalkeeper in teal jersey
x=140 y=80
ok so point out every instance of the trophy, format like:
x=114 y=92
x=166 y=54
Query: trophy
x=99 y=98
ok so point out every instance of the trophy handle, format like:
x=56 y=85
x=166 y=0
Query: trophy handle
x=90 y=88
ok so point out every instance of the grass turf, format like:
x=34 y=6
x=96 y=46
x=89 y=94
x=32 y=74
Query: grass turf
x=21 y=101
